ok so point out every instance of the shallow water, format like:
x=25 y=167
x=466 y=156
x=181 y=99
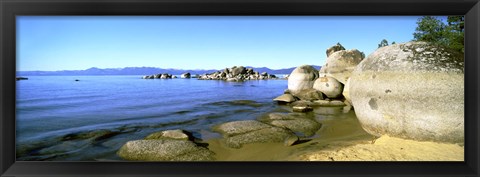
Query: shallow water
x=63 y=120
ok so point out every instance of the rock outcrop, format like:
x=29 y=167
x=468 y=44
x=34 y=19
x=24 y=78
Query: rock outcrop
x=237 y=73
x=185 y=76
x=158 y=76
x=413 y=90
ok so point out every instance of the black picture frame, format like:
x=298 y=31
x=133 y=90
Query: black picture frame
x=11 y=8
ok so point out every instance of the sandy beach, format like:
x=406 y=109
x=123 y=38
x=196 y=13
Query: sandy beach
x=341 y=139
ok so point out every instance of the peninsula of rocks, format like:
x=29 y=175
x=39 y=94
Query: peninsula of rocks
x=234 y=74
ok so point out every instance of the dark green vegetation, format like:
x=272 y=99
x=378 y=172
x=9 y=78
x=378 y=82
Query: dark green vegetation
x=434 y=30
x=384 y=43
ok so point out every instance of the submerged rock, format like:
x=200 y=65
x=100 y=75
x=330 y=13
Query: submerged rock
x=413 y=90
x=170 y=134
x=302 y=106
x=239 y=127
x=300 y=124
x=266 y=135
x=329 y=103
x=164 y=150
x=238 y=133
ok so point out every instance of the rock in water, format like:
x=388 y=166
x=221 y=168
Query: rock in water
x=302 y=78
x=340 y=64
x=285 y=98
x=413 y=90
x=329 y=86
x=185 y=75
x=164 y=150
x=310 y=95
x=169 y=134
x=238 y=133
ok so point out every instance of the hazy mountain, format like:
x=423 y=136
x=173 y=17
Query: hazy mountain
x=140 y=71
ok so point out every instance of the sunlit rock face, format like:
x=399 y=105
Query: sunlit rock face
x=302 y=78
x=413 y=90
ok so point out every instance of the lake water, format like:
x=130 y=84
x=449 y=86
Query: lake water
x=59 y=118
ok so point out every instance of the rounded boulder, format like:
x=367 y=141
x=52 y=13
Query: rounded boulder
x=329 y=86
x=413 y=90
x=302 y=78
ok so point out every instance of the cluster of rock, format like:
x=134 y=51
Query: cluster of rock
x=179 y=145
x=309 y=87
x=160 y=76
x=237 y=73
x=169 y=145
x=413 y=90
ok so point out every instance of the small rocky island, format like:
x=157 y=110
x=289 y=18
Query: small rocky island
x=412 y=92
x=233 y=74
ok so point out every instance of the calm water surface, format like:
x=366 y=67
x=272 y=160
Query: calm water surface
x=61 y=119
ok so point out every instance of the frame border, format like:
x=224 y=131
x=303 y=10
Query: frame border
x=11 y=8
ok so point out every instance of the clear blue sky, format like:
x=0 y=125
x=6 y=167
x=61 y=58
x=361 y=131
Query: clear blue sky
x=50 y=43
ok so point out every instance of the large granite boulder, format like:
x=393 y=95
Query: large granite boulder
x=329 y=86
x=413 y=90
x=302 y=78
x=340 y=64
x=164 y=150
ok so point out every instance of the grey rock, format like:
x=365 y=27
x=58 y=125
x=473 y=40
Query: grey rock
x=266 y=135
x=329 y=103
x=291 y=140
x=238 y=70
x=185 y=75
x=239 y=127
x=164 y=150
x=302 y=78
x=340 y=64
x=169 y=134
x=329 y=86
x=300 y=124
x=309 y=95
x=301 y=108
x=413 y=90
x=285 y=98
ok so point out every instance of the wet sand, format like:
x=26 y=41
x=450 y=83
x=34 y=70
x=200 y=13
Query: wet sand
x=341 y=138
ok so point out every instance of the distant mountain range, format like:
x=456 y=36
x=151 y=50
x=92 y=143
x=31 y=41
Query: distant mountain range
x=141 y=71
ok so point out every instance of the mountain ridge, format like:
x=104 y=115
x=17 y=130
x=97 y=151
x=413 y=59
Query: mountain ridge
x=144 y=71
